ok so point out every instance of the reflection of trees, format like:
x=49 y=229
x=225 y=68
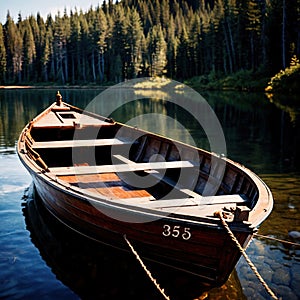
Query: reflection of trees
x=244 y=118
x=18 y=107
x=289 y=127
x=287 y=104
x=255 y=132
x=286 y=213
x=258 y=134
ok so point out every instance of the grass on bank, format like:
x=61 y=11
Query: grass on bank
x=286 y=81
x=243 y=80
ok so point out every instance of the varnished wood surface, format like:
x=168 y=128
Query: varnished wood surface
x=94 y=199
x=117 y=168
x=203 y=254
x=57 y=118
x=108 y=185
x=80 y=143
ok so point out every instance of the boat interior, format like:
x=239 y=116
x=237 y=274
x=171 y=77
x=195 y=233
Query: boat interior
x=125 y=164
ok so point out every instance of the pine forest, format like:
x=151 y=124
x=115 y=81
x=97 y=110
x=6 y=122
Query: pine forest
x=179 y=39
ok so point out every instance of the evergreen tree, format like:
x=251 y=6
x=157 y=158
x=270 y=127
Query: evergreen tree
x=134 y=39
x=61 y=30
x=2 y=57
x=38 y=31
x=46 y=55
x=195 y=37
x=242 y=37
x=157 y=53
x=74 y=46
x=101 y=39
x=118 y=45
x=130 y=38
x=254 y=28
x=29 y=51
x=172 y=45
x=14 y=47
x=51 y=74
x=183 y=57
x=83 y=48
x=228 y=28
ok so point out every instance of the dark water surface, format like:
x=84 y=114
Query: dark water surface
x=40 y=259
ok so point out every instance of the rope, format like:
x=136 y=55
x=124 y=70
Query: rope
x=277 y=240
x=146 y=270
x=253 y=268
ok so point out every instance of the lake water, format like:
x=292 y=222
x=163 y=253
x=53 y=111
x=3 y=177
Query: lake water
x=40 y=259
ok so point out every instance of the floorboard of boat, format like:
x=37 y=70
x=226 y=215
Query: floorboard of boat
x=108 y=185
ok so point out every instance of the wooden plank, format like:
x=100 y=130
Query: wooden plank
x=196 y=211
x=80 y=143
x=70 y=125
x=201 y=201
x=160 y=203
x=188 y=192
x=118 y=193
x=80 y=170
x=107 y=184
x=207 y=200
x=124 y=159
x=90 y=178
x=57 y=119
x=222 y=199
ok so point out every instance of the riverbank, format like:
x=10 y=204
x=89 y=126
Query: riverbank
x=244 y=80
x=56 y=87
x=240 y=81
x=8 y=87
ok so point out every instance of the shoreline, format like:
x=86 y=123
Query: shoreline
x=16 y=87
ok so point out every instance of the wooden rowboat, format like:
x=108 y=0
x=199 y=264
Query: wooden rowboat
x=107 y=181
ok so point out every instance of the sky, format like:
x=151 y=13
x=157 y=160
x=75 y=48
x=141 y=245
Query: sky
x=44 y=7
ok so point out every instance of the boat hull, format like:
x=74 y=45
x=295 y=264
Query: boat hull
x=208 y=252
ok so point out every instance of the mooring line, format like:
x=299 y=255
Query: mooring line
x=251 y=265
x=146 y=270
x=277 y=240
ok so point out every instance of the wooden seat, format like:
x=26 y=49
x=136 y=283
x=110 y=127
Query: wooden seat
x=80 y=170
x=230 y=200
x=80 y=143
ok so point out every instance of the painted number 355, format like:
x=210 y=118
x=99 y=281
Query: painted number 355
x=177 y=231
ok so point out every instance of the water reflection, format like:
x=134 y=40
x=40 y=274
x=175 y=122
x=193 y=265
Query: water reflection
x=96 y=271
x=18 y=107
x=288 y=104
x=286 y=211
x=260 y=134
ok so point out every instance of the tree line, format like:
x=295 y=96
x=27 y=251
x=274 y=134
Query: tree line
x=135 y=38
